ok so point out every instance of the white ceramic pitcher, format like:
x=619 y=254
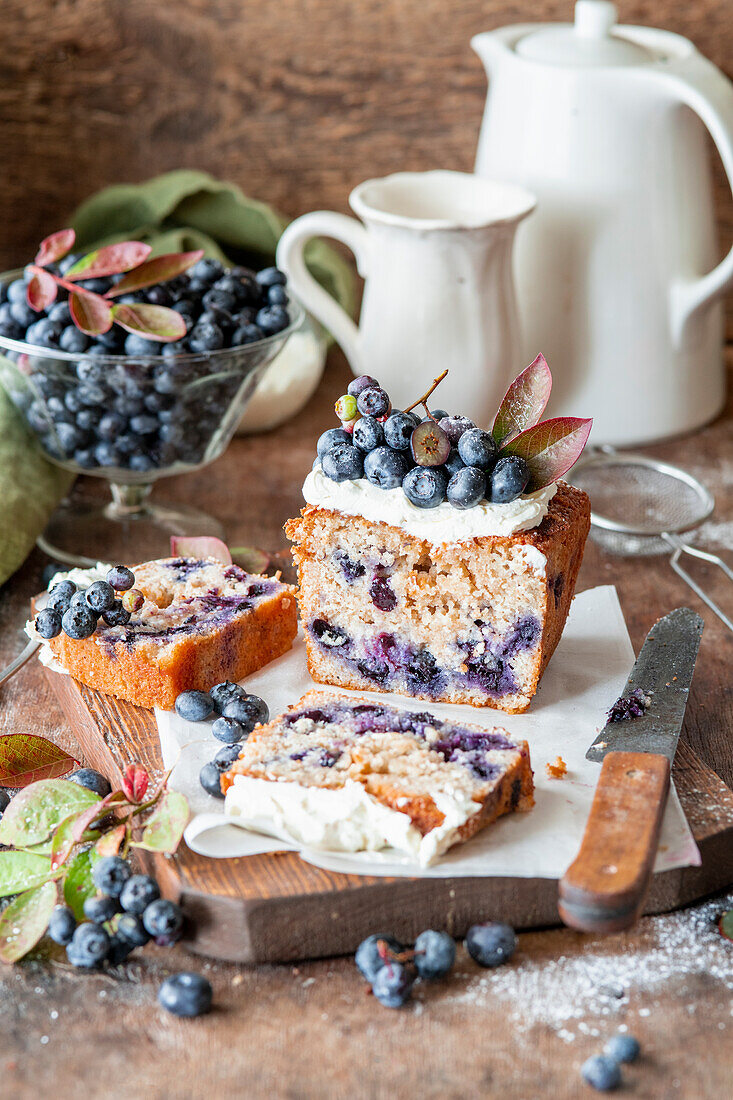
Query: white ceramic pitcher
x=616 y=273
x=435 y=250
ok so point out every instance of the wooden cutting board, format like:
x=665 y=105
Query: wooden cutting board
x=277 y=908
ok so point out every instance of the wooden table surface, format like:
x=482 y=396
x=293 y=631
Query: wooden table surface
x=518 y=1032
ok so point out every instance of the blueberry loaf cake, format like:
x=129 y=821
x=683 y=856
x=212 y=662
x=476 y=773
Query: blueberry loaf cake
x=430 y=565
x=337 y=773
x=199 y=622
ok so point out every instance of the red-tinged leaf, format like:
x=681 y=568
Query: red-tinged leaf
x=152 y=322
x=158 y=270
x=135 y=783
x=524 y=402
x=25 y=758
x=550 y=448
x=90 y=313
x=725 y=925
x=24 y=921
x=110 y=260
x=41 y=290
x=251 y=559
x=165 y=827
x=111 y=842
x=200 y=546
x=55 y=247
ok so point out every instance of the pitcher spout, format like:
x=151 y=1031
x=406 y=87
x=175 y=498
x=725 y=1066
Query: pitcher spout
x=488 y=45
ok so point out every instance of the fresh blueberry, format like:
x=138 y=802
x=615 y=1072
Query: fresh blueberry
x=79 y=622
x=467 y=487
x=121 y=578
x=96 y=286
x=343 y=462
x=206 y=336
x=88 y=419
x=144 y=424
x=272 y=319
x=373 y=952
x=277 y=296
x=206 y=270
x=226 y=756
x=22 y=314
x=363 y=382
x=248 y=333
x=79 y=599
x=138 y=345
x=385 y=468
x=50 y=571
x=425 y=487
x=85 y=458
x=435 y=954
x=186 y=994
x=392 y=985
x=4 y=800
x=219 y=298
x=222 y=693
x=368 y=433
x=228 y=730
x=89 y=946
x=398 y=429
x=60 y=312
x=491 y=944
x=70 y=437
x=100 y=596
x=329 y=439
x=92 y=780
x=373 y=401
x=438 y=414
x=249 y=710
x=194 y=706
x=61 y=925
x=44 y=333
x=89 y=371
x=110 y=425
x=271 y=276
x=106 y=454
x=477 y=448
x=453 y=463
x=11 y=329
x=110 y=874
x=89 y=393
x=509 y=479
x=100 y=909
x=601 y=1073
x=137 y=894
x=17 y=290
x=210 y=779
x=159 y=295
x=119 y=949
x=60 y=595
x=48 y=623
x=132 y=600
x=623 y=1048
x=116 y=615
x=455 y=426
x=131 y=928
x=163 y=920
x=184 y=305
x=141 y=462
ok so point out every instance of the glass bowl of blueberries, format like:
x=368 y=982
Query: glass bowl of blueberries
x=130 y=406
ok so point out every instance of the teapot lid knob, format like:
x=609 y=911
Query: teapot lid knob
x=590 y=42
x=594 y=18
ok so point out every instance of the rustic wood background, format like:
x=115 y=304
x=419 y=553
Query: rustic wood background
x=295 y=100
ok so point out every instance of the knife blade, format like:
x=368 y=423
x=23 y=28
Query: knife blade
x=603 y=890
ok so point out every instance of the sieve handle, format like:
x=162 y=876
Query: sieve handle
x=603 y=890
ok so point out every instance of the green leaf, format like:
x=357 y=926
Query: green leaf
x=164 y=829
x=111 y=842
x=36 y=810
x=25 y=758
x=55 y=247
x=24 y=921
x=250 y=558
x=78 y=883
x=158 y=270
x=90 y=312
x=110 y=260
x=524 y=402
x=22 y=870
x=153 y=322
x=41 y=290
x=71 y=831
x=550 y=448
x=726 y=925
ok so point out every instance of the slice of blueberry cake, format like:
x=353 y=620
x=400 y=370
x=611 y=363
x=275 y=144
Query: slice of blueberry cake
x=198 y=622
x=337 y=773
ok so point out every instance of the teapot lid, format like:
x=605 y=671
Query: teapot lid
x=587 y=42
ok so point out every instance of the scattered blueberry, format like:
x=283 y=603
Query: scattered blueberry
x=425 y=487
x=249 y=710
x=228 y=730
x=61 y=925
x=435 y=954
x=116 y=615
x=374 y=951
x=163 y=920
x=271 y=276
x=491 y=944
x=138 y=893
x=89 y=946
x=623 y=1048
x=601 y=1073
x=384 y=467
x=92 y=780
x=48 y=623
x=101 y=909
x=222 y=693
x=477 y=448
x=194 y=706
x=60 y=596
x=272 y=319
x=100 y=596
x=392 y=985
x=186 y=994
x=509 y=479
x=210 y=779
x=467 y=487
x=119 y=949
x=4 y=800
x=110 y=874
x=343 y=462
x=226 y=756
x=131 y=928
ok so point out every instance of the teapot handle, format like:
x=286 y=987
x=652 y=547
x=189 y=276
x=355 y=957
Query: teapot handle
x=709 y=94
x=290 y=259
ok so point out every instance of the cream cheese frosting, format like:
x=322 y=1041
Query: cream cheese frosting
x=442 y=524
x=344 y=819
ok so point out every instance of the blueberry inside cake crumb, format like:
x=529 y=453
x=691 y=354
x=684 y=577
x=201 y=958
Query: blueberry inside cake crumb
x=628 y=706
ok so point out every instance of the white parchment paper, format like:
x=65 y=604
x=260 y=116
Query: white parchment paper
x=586 y=674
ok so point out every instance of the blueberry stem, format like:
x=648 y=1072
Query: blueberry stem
x=424 y=399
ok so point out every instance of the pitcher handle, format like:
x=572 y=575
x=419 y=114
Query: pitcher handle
x=710 y=95
x=291 y=260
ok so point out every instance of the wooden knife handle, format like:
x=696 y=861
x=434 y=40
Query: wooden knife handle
x=604 y=888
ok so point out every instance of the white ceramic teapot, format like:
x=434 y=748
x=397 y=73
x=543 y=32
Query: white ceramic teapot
x=616 y=271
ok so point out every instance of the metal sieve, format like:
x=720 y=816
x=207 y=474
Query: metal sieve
x=642 y=506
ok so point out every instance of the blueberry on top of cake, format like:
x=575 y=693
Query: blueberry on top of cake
x=344 y=774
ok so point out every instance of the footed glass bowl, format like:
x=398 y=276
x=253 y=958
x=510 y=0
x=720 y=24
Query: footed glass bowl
x=131 y=420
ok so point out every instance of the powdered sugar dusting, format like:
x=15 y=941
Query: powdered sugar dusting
x=564 y=992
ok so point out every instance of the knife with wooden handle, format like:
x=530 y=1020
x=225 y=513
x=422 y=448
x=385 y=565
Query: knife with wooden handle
x=603 y=890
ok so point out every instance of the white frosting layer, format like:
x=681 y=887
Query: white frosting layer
x=442 y=524
x=346 y=819
x=82 y=578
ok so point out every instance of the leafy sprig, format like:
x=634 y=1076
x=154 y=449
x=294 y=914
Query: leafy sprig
x=56 y=830
x=94 y=314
